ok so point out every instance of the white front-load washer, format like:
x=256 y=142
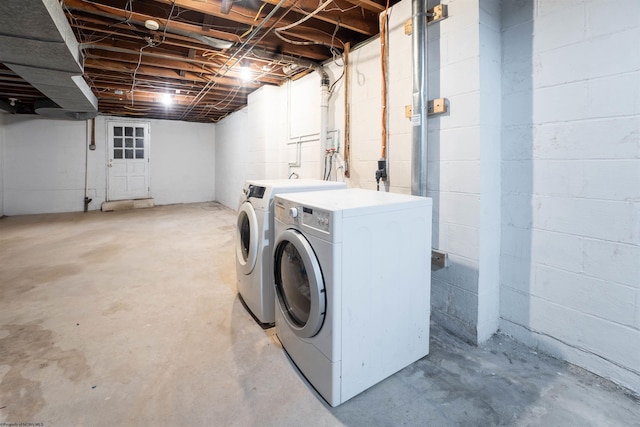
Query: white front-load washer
x=352 y=273
x=254 y=238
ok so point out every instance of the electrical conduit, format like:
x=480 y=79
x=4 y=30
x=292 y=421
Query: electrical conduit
x=419 y=100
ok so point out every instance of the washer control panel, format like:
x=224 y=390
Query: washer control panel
x=316 y=218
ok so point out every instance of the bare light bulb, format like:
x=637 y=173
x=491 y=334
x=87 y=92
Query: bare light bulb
x=166 y=99
x=245 y=73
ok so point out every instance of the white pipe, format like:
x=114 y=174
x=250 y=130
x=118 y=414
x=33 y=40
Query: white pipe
x=87 y=141
x=324 y=115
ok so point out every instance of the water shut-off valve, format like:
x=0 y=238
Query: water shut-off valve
x=381 y=173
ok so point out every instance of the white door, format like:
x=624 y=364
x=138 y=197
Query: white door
x=128 y=160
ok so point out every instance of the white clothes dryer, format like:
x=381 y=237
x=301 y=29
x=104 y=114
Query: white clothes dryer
x=254 y=239
x=352 y=273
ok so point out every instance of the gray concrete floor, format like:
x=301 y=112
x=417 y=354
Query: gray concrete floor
x=131 y=318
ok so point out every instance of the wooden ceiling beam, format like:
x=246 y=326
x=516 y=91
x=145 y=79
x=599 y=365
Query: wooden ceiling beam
x=201 y=114
x=132 y=58
x=139 y=19
x=113 y=81
x=272 y=43
x=212 y=95
x=146 y=70
x=371 y=5
x=249 y=17
x=177 y=99
x=347 y=17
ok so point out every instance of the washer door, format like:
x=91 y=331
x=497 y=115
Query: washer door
x=299 y=284
x=247 y=238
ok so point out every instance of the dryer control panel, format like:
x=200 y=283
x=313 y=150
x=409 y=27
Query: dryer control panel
x=316 y=218
x=286 y=212
x=255 y=191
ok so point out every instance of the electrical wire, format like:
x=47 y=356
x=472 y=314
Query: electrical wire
x=338 y=9
x=331 y=46
x=306 y=18
x=150 y=43
x=211 y=84
x=166 y=25
x=255 y=18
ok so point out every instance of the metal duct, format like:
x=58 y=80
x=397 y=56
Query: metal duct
x=420 y=98
x=37 y=43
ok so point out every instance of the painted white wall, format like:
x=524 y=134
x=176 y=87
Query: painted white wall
x=232 y=157
x=182 y=162
x=490 y=160
x=44 y=164
x=454 y=167
x=534 y=171
x=454 y=147
x=265 y=140
x=570 y=270
x=268 y=121
x=2 y=118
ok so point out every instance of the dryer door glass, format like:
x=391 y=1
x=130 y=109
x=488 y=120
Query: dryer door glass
x=299 y=284
x=294 y=283
x=245 y=233
x=246 y=238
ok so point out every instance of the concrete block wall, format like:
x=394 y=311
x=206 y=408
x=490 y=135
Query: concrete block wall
x=44 y=164
x=533 y=171
x=303 y=149
x=457 y=168
x=457 y=173
x=490 y=127
x=365 y=114
x=570 y=270
x=2 y=118
x=267 y=118
x=275 y=109
x=182 y=162
x=277 y=134
x=232 y=160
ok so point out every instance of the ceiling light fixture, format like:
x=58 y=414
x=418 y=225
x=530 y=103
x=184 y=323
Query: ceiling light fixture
x=166 y=99
x=245 y=73
x=152 y=25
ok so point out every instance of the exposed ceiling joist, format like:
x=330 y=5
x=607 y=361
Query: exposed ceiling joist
x=197 y=53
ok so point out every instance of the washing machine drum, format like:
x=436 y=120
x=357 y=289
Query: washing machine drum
x=247 y=238
x=299 y=284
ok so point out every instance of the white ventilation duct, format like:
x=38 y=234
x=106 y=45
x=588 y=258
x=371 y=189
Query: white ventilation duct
x=37 y=43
